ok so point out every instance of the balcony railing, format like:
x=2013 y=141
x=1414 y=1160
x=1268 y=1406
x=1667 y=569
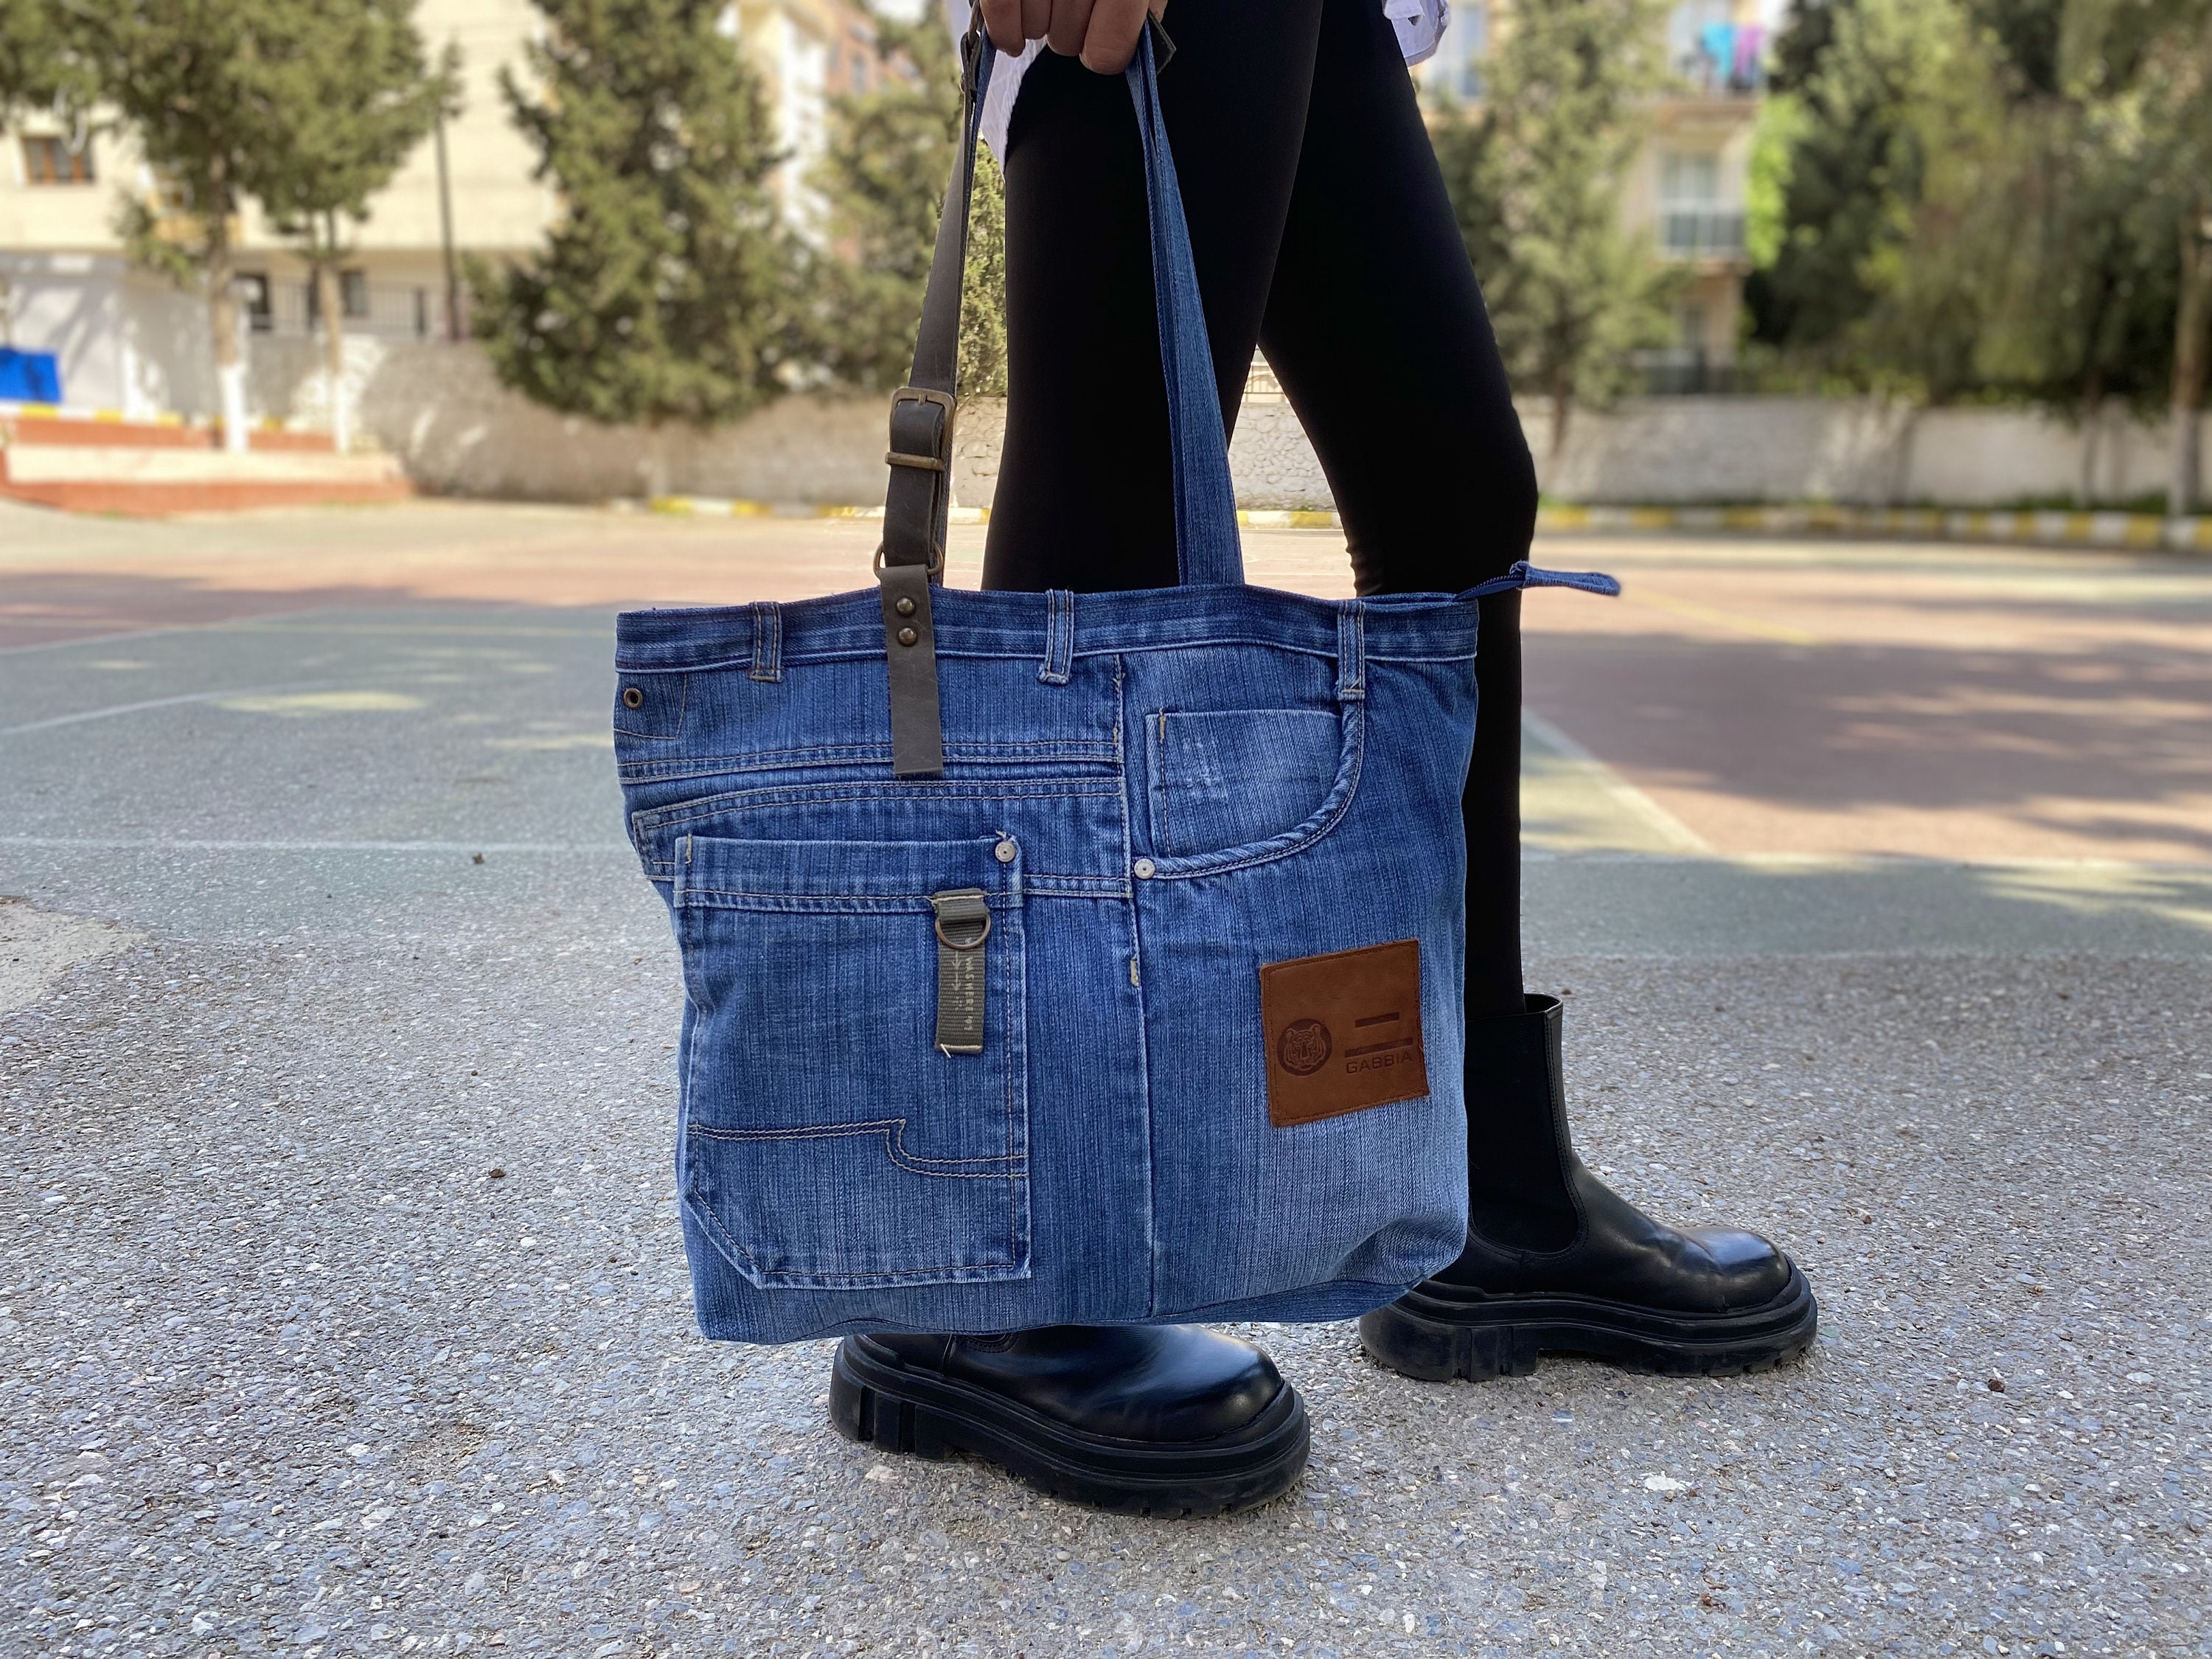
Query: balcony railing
x=1684 y=371
x=382 y=311
x=1700 y=234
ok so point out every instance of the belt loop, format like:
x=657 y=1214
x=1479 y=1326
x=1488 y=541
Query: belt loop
x=1058 y=637
x=767 y=639
x=1351 y=651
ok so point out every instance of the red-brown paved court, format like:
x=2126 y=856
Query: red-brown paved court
x=1774 y=697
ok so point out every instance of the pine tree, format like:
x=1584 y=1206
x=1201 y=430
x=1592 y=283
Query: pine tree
x=364 y=73
x=889 y=154
x=664 y=291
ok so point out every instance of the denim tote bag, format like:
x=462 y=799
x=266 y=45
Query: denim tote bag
x=1057 y=959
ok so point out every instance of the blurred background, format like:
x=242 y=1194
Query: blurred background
x=1951 y=254
x=1867 y=833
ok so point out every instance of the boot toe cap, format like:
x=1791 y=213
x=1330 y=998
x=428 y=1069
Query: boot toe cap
x=1747 y=1270
x=1198 y=1385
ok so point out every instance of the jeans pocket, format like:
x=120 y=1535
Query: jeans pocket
x=1227 y=779
x=856 y=1090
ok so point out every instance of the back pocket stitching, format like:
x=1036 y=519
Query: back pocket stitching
x=893 y=1131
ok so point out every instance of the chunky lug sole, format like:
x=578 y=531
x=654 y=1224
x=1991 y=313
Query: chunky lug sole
x=876 y=1400
x=1439 y=1332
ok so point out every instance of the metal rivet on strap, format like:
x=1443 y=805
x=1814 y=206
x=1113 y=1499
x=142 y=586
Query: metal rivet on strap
x=1143 y=869
x=1005 y=851
x=632 y=698
x=904 y=607
x=908 y=636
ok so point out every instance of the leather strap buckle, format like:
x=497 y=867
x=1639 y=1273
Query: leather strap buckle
x=939 y=459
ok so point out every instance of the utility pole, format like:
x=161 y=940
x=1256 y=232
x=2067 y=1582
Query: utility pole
x=445 y=236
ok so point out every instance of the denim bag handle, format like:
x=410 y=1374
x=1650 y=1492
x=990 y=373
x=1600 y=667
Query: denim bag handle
x=1207 y=551
x=911 y=559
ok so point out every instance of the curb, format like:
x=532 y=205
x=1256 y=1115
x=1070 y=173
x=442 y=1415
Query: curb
x=2145 y=530
x=2128 y=529
x=10 y=410
x=724 y=506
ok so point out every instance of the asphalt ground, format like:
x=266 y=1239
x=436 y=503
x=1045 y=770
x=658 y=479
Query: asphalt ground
x=341 y=1304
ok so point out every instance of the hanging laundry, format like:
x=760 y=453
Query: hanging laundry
x=1716 y=43
x=1750 y=47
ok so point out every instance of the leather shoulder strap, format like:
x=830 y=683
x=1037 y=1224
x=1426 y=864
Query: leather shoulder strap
x=911 y=560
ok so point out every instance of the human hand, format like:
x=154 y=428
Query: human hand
x=1101 y=32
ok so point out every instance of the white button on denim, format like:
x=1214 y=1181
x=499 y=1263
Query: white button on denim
x=1143 y=868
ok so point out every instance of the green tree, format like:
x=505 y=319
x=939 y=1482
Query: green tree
x=1842 y=155
x=2153 y=59
x=365 y=73
x=665 y=291
x=1988 y=196
x=34 y=63
x=209 y=90
x=889 y=154
x=1536 y=178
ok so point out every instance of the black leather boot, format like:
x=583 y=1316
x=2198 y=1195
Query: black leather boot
x=1557 y=1262
x=1142 y=1419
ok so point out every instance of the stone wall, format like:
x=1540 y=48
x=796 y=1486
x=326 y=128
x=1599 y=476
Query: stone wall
x=457 y=431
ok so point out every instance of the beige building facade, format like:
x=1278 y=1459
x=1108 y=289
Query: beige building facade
x=1687 y=187
x=129 y=341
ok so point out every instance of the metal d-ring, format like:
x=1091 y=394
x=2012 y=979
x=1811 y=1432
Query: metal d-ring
x=954 y=944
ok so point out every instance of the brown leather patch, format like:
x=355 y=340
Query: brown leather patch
x=1344 y=1032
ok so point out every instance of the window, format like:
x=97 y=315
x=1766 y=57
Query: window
x=1455 y=72
x=1689 y=179
x=254 y=297
x=53 y=161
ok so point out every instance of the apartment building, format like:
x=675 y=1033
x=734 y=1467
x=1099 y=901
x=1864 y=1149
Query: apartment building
x=127 y=340
x=1686 y=187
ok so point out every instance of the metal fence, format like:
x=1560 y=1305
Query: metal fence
x=1685 y=372
x=383 y=311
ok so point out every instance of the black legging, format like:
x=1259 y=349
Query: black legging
x=1322 y=234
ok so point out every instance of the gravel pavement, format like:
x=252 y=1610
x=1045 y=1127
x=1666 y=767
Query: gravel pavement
x=343 y=1310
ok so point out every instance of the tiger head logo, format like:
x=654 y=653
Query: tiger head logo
x=1304 y=1047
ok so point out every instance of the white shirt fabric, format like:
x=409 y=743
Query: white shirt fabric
x=1421 y=24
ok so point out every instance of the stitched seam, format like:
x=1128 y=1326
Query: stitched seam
x=1163 y=786
x=799 y=1279
x=1303 y=836
x=908 y=904
x=893 y=1131
x=1073 y=752
x=860 y=651
x=748 y=800
x=683 y=703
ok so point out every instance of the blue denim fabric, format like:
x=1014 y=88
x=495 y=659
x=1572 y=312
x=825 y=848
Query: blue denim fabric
x=1157 y=792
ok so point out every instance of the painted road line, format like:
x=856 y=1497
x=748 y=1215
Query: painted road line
x=123 y=708
x=1668 y=833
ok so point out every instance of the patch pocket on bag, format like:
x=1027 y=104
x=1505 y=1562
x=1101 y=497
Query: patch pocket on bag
x=830 y=1140
x=1222 y=779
